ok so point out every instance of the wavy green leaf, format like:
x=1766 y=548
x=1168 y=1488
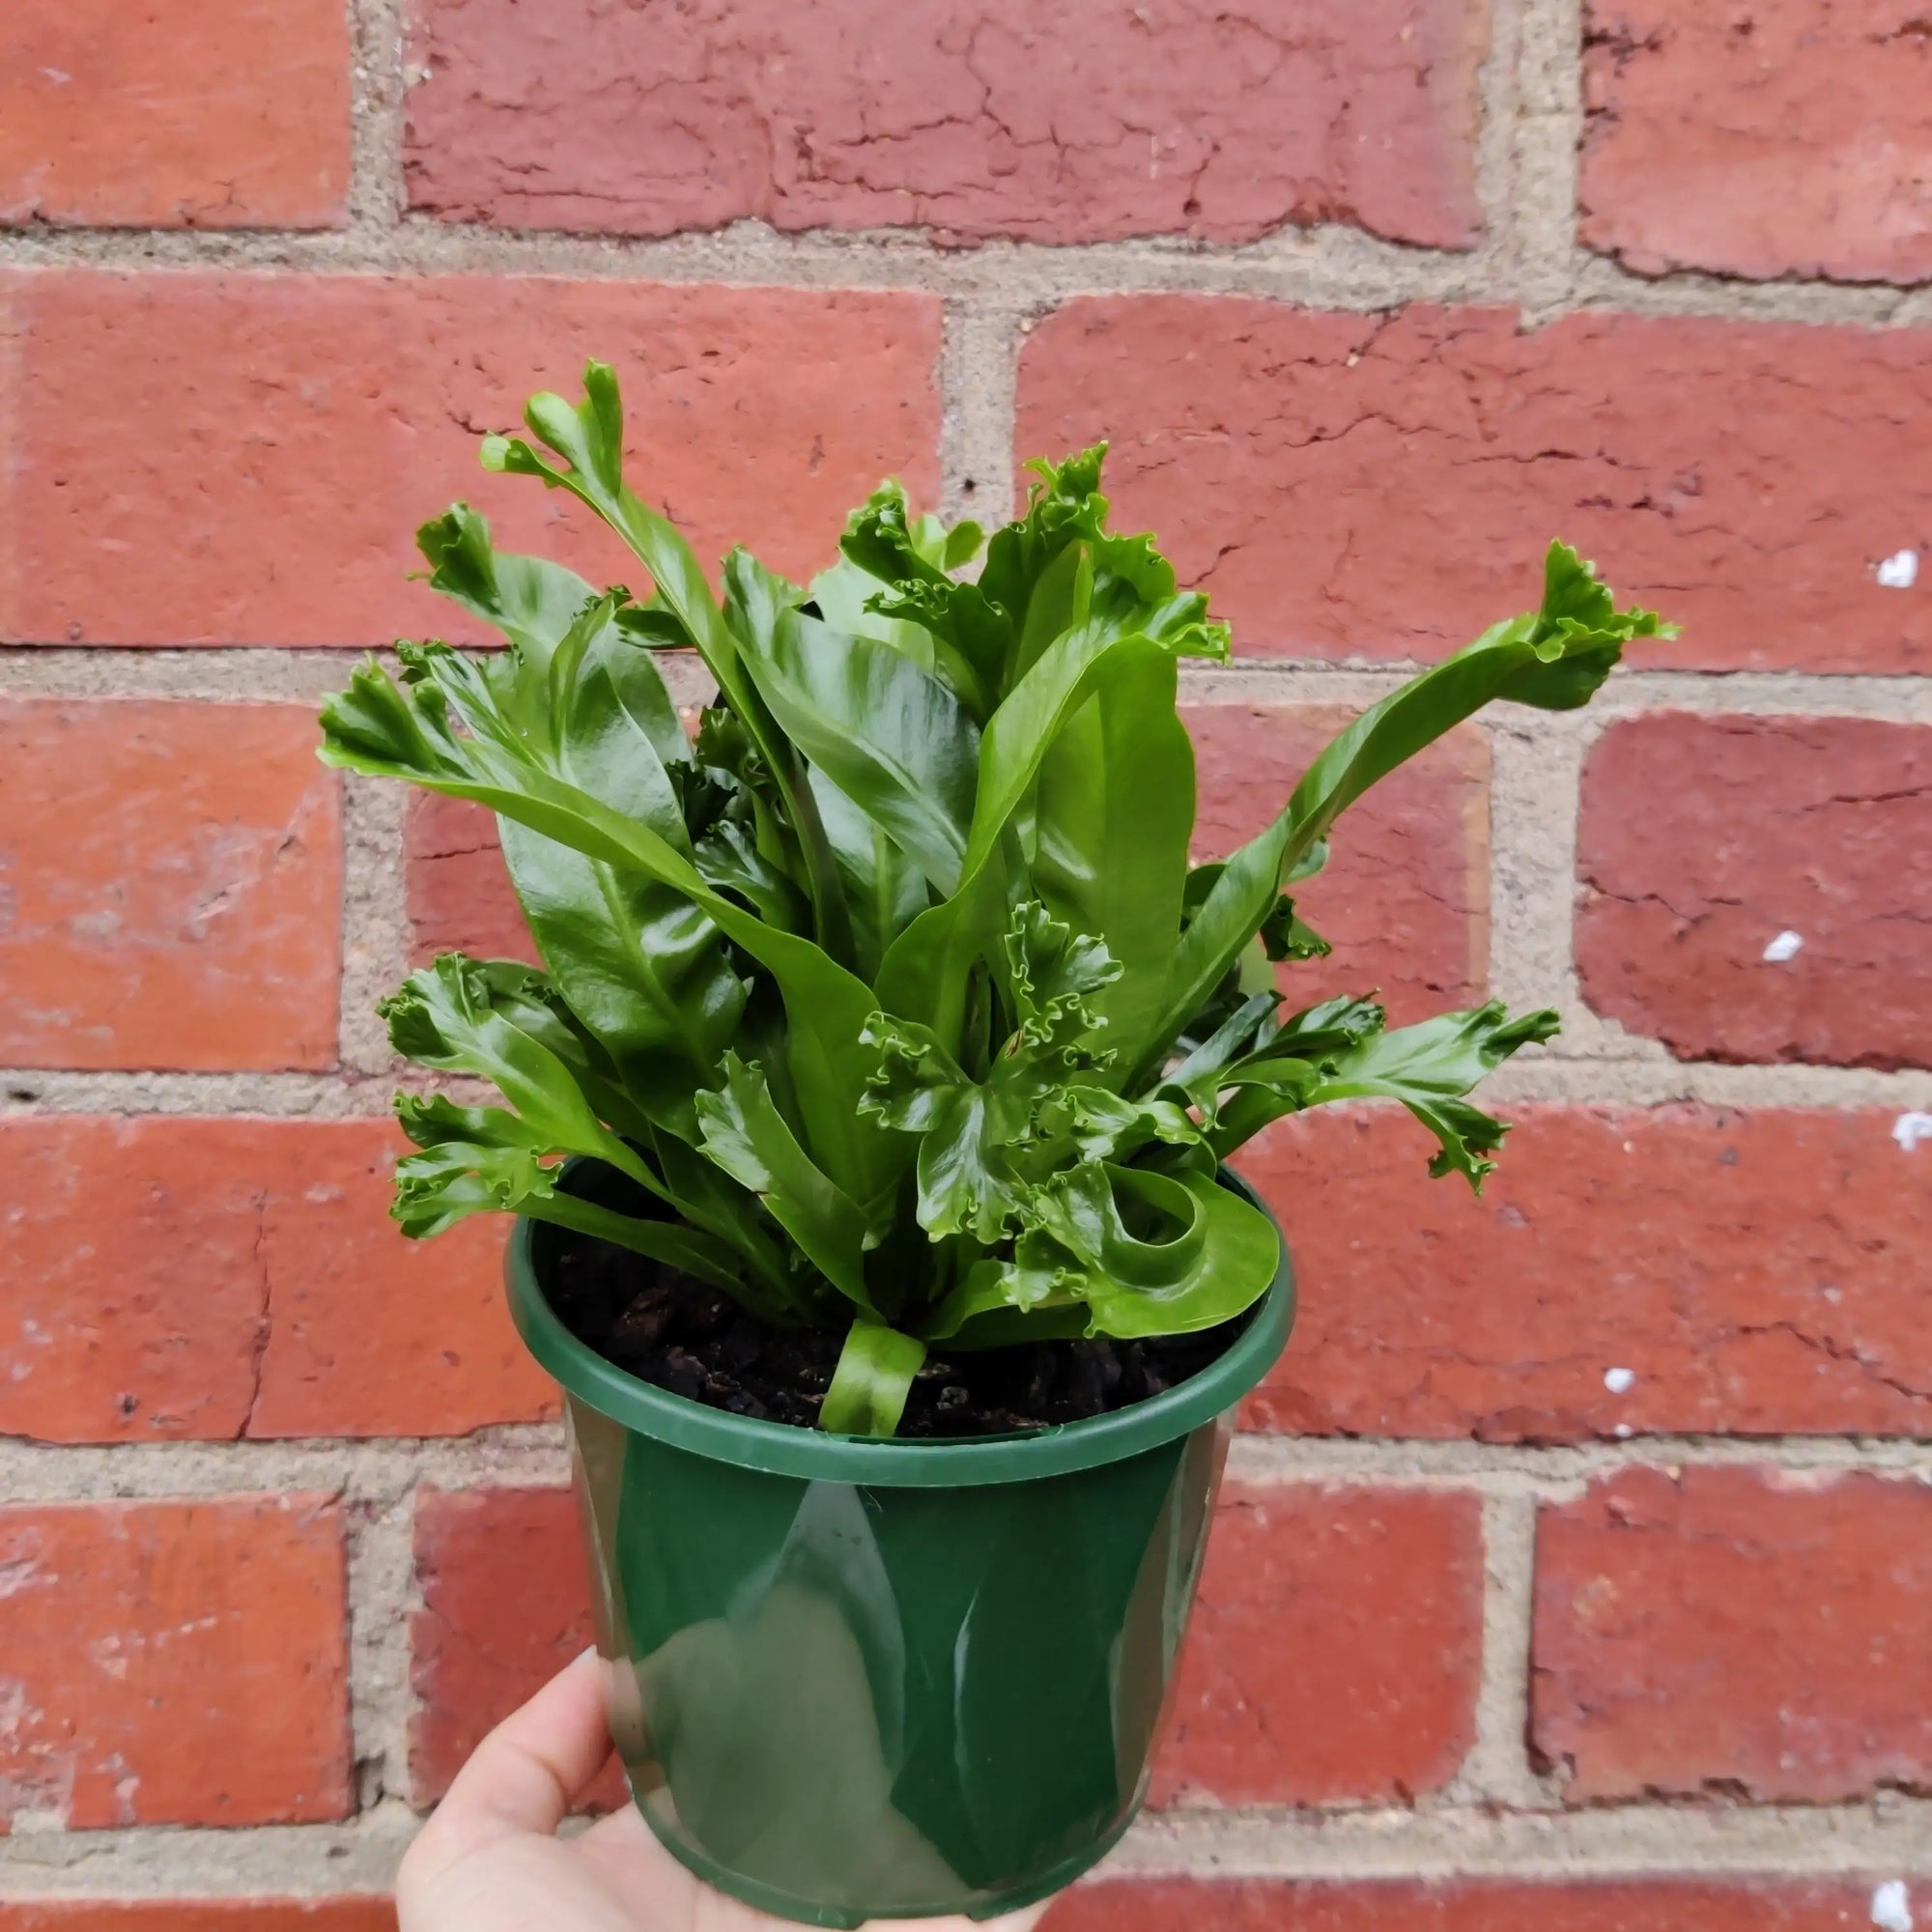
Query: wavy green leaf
x=374 y=729
x=1554 y=658
x=1427 y=1067
x=742 y=1130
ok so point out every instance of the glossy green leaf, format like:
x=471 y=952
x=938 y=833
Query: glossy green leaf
x=925 y=976
x=968 y=1178
x=374 y=729
x=891 y=736
x=485 y=1160
x=743 y=1131
x=591 y=437
x=885 y=889
x=444 y=1015
x=1114 y=812
x=872 y=1380
x=1427 y=1067
x=1554 y=658
x=1148 y=1253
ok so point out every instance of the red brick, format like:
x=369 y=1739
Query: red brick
x=1334 y=1650
x=1405 y=901
x=459 y=895
x=202 y=1278
x=1776 y=137
x=195 y=1914
x=1758 y=1273
x=228 y=114
x=505 y=1606
x=174 y=1663
x=977 y=119
x=267 y=445
x=1702 y=839
x=1465 y=1905
x=1385 y=486
x=1732 y=1632
x=174 y=886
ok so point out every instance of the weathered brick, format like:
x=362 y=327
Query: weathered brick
x=267 y=444
x=1732 y=1631
x=1463 y=1905
x=1706 y=844
x=977 y=119
x=1385 y=1588
x=1405 y=901
x=505 y=1606
x=1775 y=137
x=227 y=114
x=172 y=886
x=1386 y=485
x=219 y=1278
x=174 y=1663
x=195 y=1915
x=1752 y=1273
x=457 y=890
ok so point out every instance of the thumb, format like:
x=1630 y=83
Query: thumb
x=523 y=1777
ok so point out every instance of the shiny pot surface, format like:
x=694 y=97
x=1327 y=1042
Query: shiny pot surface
x=853 y=1679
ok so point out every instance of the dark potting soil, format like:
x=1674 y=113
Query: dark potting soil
x=684 y=1336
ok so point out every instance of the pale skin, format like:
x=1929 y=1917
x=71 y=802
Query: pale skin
x=491 y=1860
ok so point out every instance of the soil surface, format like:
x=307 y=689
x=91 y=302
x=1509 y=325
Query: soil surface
x=684 y=1336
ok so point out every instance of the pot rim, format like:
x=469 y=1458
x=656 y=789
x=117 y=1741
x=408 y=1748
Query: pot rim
x=783 y=1449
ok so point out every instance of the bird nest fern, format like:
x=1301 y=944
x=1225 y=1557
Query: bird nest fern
x=891 y=987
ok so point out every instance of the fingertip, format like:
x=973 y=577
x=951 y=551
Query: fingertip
x=525 y=1775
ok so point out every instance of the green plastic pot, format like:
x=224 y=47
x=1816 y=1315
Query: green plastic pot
x=856 y=1679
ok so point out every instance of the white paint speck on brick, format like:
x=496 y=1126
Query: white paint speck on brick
x=1784 y=946
x=1890 y=1908
x=1909 y=1129
x=1900 y=570
x=1619 y=1381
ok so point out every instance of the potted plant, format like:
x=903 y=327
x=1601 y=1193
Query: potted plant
x=865 y=1130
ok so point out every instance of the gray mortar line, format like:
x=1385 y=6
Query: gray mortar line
x=1559 y=1472
x=1319 y=267
x=1534 y=785
x=1498 y=1769
x=1630 y=690
x=1329 y=266
x=300 y=674
x=263 y=1860
x=1653 y=1079
x=1494 y=257
x=377 y=1473
x=375 y=924
x=374 y=188
x=343 y=1095
x=1603 y=285
x=1611 y=1071
x=981 y=367
x=270 y=673
x=1887 y=1837
x=1892 y=1837
x=385 y=1594
x=1547 y=126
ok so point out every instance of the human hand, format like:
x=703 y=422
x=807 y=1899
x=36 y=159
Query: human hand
x=490 y=1859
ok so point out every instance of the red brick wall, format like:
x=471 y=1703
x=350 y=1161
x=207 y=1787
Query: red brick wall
x=1573 y=1572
